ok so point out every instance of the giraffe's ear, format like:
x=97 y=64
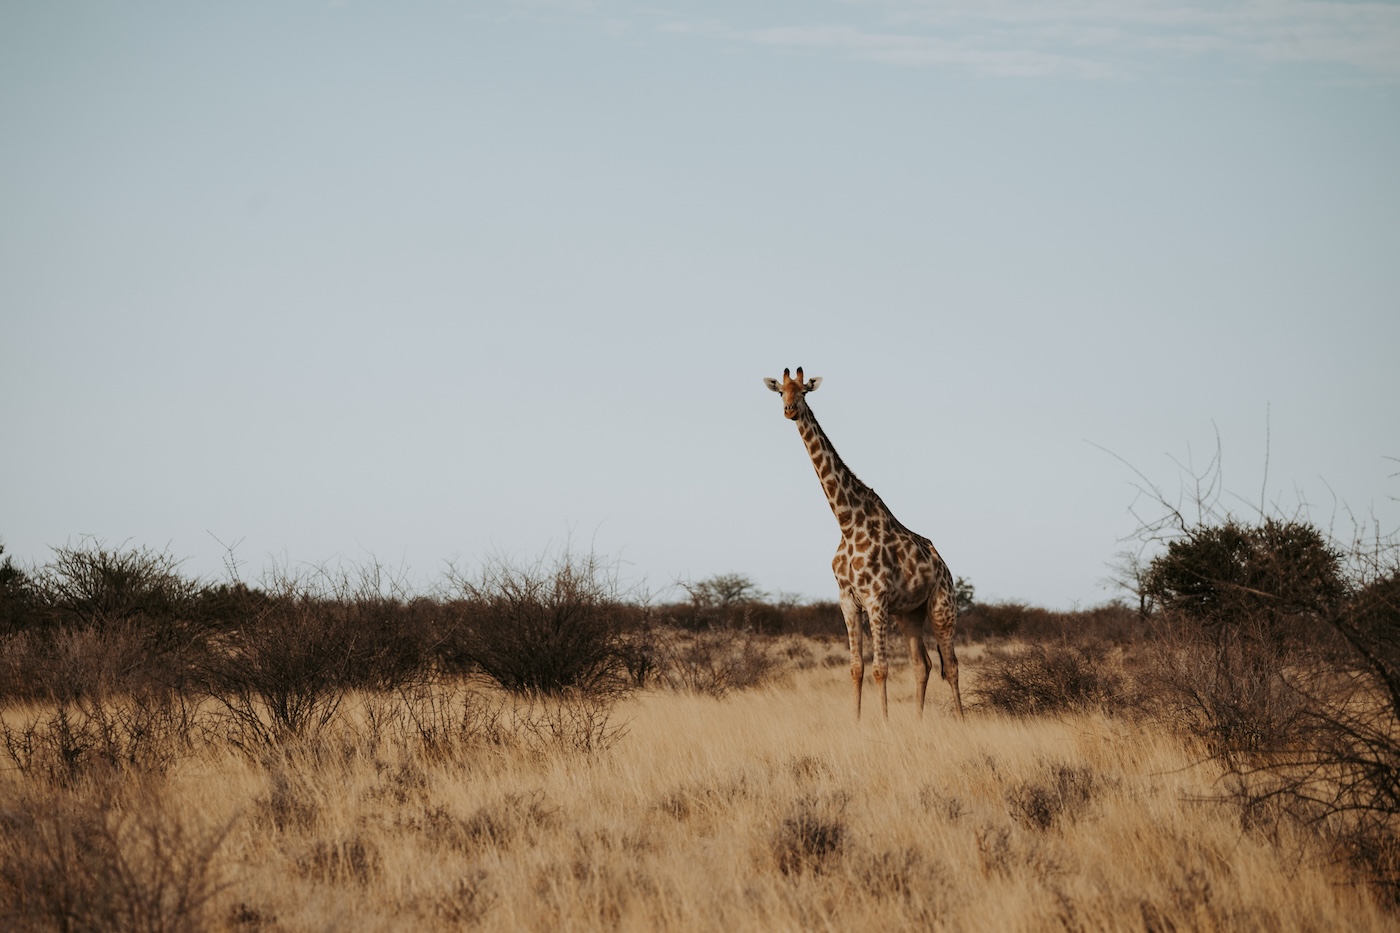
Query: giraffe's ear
x=813 y=383
x=773 y=384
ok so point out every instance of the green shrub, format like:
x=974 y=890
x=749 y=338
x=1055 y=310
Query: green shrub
x=1227 y=573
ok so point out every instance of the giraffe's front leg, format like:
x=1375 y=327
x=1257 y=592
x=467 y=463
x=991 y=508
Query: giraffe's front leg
x=880 y=668
x=851 y=611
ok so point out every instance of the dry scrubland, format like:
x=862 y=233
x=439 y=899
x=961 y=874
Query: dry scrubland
x=531 y=749
x=763 y=809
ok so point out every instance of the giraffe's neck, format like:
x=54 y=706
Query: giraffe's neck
x=845 y=493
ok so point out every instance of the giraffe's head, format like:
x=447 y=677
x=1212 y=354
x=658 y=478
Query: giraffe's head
x=792 y=391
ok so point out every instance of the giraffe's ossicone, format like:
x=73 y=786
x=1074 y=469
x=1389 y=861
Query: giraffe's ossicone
x=883 y=569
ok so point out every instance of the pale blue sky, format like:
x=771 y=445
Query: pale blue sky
x=428 y=281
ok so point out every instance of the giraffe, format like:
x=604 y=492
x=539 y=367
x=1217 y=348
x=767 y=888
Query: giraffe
x=882 y=568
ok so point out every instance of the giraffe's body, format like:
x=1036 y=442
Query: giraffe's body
x=883 y=569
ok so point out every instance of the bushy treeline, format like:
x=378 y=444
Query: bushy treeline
x=96 y=629
x=97 y=621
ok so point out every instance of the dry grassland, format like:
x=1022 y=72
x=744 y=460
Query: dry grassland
x=765 y=810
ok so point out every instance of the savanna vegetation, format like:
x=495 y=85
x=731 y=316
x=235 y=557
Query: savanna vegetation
x=530 y=746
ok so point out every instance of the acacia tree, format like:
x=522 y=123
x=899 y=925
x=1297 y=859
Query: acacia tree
x=725 y=600
x=723 y=591
x=1225 y=574
x=964 y=594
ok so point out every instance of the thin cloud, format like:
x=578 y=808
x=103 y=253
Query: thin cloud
x=1082 y=38
x=1087 y=39
x=1363 y=37
x=911 y=49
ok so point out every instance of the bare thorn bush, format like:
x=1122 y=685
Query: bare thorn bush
x=286 y=663
x=1229 y=692
x=713 y=662
x=283 y=677
x=578 y=724
x=143 y=734
x=1049 y=679
x=71 y=863
x=556 y=626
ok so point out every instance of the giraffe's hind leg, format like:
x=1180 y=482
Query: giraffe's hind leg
x=913 y=625
x=943 y=619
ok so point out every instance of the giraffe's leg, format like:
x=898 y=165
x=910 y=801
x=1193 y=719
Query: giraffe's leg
x=851 y=611
x=913 y=626
x=880 y=668
x=943 y=617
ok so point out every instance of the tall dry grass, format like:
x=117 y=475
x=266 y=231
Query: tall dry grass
x=762 y=809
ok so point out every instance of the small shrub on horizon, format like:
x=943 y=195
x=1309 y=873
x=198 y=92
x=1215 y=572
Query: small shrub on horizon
x=726 y=600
